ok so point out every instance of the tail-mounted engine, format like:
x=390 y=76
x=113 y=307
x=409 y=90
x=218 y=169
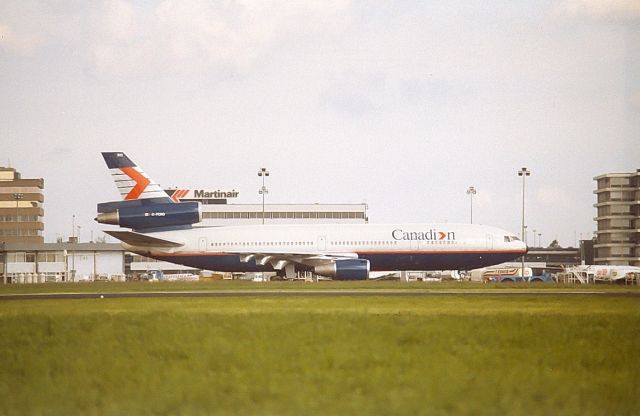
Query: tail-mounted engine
x=158 y=215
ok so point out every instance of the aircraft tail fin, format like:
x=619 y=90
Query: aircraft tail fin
x=132 y=182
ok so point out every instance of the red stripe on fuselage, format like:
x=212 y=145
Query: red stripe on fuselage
x=220 y=253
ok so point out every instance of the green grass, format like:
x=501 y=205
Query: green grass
x=297 y=285
x=450 y=354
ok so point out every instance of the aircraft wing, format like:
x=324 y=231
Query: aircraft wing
x=280 y=260
x=142 y=240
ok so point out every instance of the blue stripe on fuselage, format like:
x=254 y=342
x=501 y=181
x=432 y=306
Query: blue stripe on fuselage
x=378 y=261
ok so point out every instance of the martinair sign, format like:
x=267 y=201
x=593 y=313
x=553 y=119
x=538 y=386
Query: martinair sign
x=191 y=194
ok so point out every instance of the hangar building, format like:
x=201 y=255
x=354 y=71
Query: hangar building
x=217 y=211
x=61 y=262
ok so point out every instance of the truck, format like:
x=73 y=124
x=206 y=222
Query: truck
x=489 y=274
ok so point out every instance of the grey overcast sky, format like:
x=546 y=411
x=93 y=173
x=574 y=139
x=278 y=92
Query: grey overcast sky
x=402 y=104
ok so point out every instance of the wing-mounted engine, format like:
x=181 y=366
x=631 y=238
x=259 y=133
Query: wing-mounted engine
x=347 y=269
x=146 y=216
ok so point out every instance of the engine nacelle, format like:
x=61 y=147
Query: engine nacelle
x=153 y=215
x=348 y=269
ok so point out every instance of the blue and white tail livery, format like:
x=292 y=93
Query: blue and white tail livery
x=145 y=206
x=131 y=181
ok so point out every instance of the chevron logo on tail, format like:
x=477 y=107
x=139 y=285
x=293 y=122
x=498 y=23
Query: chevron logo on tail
x=131 y=181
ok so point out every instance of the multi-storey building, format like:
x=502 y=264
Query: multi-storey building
x=618 y=205
x=21 y=210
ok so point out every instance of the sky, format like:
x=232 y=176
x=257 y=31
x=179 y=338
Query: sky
x=399 y=104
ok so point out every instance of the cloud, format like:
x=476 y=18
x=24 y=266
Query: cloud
x=58 y=152
x=119 y=20
x=20 y=43
x=191 y=36
x=27 y=27
x=634 y=100
x=553 y=196
x=131 y=38
x=617 y=10
x=356 y=94
x=361 y=93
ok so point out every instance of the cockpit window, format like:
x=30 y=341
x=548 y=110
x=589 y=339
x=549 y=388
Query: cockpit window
x=510 y=238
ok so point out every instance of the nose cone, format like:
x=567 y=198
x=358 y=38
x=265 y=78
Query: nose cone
x=523 y=247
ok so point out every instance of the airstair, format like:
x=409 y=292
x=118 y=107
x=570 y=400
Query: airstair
x=573 y=275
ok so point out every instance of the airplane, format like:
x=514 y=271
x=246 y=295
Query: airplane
x=171 y=231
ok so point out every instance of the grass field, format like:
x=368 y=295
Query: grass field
x=523 y=355
x=141 y=286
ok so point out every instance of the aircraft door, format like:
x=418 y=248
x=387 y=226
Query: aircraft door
x=490 y=241
x=202 y=244
x=322 y=243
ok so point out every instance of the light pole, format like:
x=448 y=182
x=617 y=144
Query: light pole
x=471 y=192
x=524 y=173
x=18 y=196
x=4 y=262
x=534 y=238
x=540 y=239
x=73 y=253
x=262 y=173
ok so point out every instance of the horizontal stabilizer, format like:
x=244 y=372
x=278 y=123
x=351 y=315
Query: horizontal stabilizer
x=142 y=240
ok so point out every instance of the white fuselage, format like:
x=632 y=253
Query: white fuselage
x=387 y=246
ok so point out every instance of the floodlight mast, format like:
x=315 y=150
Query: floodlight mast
x=263 y=172
x=471 y=192
x=524 y=172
